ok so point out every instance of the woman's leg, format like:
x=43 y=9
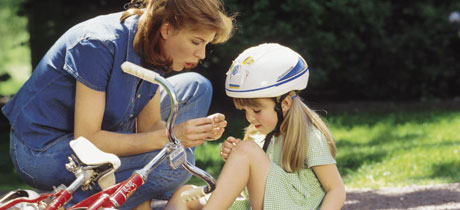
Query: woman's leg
x=42 y=169
x=247 y=166
x=194 y=93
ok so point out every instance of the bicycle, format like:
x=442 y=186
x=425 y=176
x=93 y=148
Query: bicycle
x=90 y=165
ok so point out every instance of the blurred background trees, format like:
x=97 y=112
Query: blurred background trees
x=357 y=50
x=360 y=50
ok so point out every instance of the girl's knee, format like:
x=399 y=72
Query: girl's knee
x=248 y=148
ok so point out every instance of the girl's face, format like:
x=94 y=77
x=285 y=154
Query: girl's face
x=263 y=117
x=185 y=47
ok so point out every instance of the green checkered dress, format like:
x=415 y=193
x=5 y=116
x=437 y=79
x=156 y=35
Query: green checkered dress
x=298 y=190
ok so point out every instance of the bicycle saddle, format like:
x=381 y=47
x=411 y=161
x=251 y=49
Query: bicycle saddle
x=90 y=155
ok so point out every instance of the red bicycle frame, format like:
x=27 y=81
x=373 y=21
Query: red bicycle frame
x=113 y=196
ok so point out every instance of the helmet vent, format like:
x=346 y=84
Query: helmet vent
x=298 y=68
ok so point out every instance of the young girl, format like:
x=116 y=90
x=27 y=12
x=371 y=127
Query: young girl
x=295 y=168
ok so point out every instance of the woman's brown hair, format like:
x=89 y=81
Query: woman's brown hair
x=180 y=14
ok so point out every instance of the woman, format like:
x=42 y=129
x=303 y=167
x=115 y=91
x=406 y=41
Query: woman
x=78 y=89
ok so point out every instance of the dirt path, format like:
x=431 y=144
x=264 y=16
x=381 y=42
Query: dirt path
x=443 y=196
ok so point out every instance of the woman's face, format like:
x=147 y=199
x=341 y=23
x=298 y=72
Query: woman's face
x=263 y=117
x=185 y=47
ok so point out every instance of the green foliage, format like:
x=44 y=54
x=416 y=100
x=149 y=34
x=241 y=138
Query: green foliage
x=371 y=50
x=14 y=50
x=358 y=49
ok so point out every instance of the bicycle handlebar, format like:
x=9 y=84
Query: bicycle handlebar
x=174 y=149
x=153 y=77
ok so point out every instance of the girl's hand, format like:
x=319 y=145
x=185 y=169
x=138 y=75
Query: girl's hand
x=227 y=147
x=195 y=131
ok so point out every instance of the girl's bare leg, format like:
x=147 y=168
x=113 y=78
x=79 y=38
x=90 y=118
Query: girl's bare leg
x=247 y=165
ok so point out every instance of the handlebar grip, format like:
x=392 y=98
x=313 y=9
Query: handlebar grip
x=193 y=194
x=139 y=72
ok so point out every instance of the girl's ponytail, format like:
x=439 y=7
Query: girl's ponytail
x=295 y=130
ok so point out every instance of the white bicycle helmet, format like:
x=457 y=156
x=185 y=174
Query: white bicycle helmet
x=265 y=71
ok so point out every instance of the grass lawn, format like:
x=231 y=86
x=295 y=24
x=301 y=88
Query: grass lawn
x=398 y=149
x=385 y=148
x=375 y=149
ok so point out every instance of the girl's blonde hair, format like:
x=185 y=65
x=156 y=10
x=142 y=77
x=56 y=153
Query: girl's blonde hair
x=294 y=128
x=180 y=14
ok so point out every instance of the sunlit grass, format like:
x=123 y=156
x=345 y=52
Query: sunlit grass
x=407 y=148
x=384 y=149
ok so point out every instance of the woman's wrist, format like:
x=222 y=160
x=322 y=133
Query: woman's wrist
x=157 y=139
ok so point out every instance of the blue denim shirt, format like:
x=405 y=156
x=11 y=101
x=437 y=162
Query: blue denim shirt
x=42 y=111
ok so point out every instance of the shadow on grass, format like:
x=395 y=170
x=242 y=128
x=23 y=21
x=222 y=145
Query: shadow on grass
x=352 y=162
x=449 y=171
x=387 y=136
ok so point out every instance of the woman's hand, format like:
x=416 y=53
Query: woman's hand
x=227 y=147
x=219 y=124
x=195 y=131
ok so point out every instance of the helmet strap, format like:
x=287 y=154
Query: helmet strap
x=267 y=140
x=279 y=113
